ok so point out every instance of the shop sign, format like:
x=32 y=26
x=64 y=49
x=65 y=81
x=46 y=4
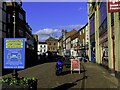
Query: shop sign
x=113 y=5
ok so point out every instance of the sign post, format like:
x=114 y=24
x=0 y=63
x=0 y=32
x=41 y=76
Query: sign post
x=14 y=53
x=75 y=65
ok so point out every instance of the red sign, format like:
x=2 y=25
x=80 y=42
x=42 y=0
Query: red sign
x=75 y=63
x=113 y=5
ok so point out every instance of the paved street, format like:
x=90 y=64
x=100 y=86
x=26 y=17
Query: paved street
x=92 y=76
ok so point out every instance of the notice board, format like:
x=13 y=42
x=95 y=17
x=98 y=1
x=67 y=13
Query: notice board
x=14 y=53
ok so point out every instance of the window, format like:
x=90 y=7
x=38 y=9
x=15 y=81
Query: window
x=20 y=16
x=8 y=18
x=83 y=30
x=4 y=6
x=4 y=16
x=80 y=32
x=92 y=25
x=103 y=12
x=0 y=25
x=41 y=50
x=20 y=32
x=44 y=46
x=8 y=32
x=4 y=27
x=41 y=46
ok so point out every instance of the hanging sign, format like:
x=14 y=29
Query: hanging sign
x=113 y=5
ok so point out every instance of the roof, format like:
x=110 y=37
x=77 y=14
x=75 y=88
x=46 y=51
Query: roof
x=51 y=39
x=83 y=27
x=72 y=32
x=42 y=43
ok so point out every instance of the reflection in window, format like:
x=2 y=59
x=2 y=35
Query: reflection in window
x=4 y=16
x=8 y=18
x=20 y=32
x=20 y=16
x=4 y=27
x=103 y=12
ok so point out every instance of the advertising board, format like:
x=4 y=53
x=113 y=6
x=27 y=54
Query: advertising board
x=75 y=65
x=14 y=53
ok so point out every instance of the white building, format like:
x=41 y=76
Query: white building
x=42 y=48
x=86 y=34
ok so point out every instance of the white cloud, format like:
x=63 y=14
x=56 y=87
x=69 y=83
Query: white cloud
x=72 y=26
x=45 y=33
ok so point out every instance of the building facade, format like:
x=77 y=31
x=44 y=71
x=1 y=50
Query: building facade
x=42 y=48
x=67 y=42
x=60 y=45
x=107 y=29
x=14 y=25
x=52 y=44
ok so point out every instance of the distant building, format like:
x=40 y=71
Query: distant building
x=67 y=44
x=60 y=45
x=42 y=48
x=52 y=44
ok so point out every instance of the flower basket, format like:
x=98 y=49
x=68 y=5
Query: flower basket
x=21 y=83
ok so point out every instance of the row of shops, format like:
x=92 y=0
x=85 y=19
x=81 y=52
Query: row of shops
x=104 y=33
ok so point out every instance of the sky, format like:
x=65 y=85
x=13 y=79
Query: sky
x=49 y=18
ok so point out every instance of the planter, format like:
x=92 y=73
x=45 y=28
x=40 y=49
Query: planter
x=19 y=83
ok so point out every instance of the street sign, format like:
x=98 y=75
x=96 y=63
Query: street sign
x=113 y=5
x=75 y=65
x=14 y=53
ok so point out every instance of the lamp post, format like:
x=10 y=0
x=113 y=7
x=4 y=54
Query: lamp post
x=14 y=74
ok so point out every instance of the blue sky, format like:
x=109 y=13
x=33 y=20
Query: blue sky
x=49 y=18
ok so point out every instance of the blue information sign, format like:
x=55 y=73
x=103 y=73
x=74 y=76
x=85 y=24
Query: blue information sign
x=14 y=53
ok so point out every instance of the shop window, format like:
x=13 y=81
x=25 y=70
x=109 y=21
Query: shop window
x=103 y=12
x=92 y=25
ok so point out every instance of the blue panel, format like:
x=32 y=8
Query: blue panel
x=14 y=53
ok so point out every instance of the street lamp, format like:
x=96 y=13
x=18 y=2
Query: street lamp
x=14 y=74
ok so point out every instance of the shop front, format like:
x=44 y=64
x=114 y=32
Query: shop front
x=104 y=49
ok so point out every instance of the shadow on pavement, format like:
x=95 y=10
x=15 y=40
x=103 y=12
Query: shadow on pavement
x=67 y=85
x=69 y=72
